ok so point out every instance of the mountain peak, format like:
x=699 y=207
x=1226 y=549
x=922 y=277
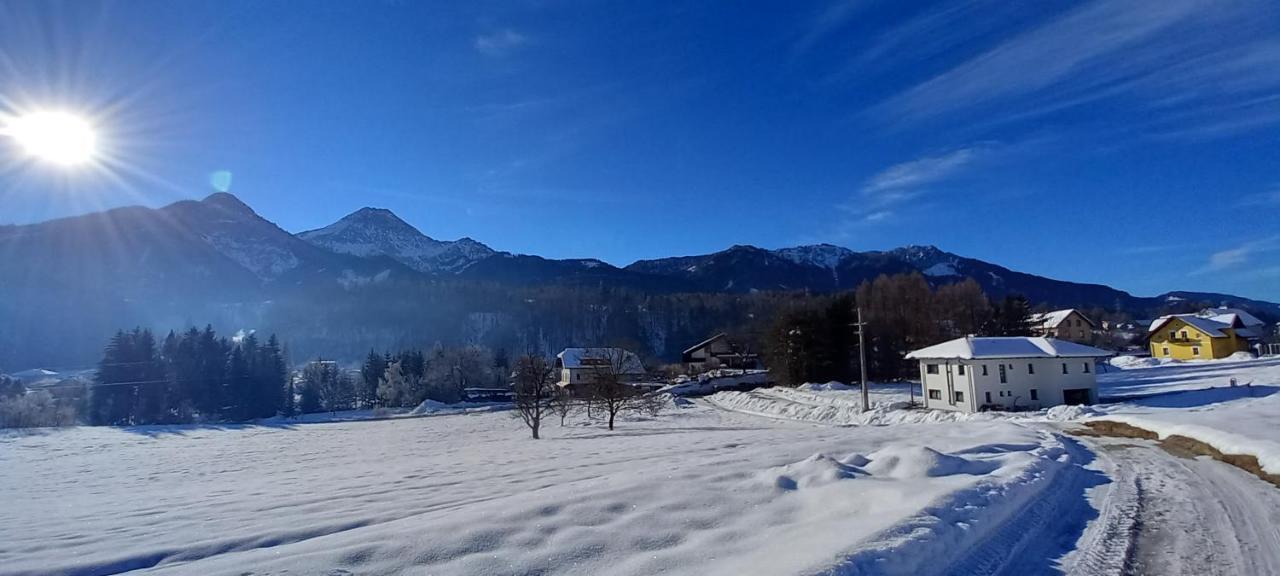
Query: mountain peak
x=228 y=201
x=373 y=231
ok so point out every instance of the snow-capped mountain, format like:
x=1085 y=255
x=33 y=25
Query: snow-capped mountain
x=821 y=255
x=379 y=232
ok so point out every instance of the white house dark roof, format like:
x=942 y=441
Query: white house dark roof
x=976 y=348
x=589 y=357
x=1210 y=327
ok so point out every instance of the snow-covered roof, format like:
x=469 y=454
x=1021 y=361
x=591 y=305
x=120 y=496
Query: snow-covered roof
x=1222 y=314
x=1048 y=320
x=588 y=357
x=691 y=349
x=975 y=348
x=1211 y=328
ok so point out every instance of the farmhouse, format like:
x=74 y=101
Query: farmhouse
x=1067 y=324
x=718 y=352
x=1007 y=373
x=1196 y=337
x=579 y=367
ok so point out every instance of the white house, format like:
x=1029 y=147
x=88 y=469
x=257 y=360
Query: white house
x=579 y=367
x=1003 y=373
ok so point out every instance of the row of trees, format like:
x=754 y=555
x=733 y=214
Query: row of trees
x=192 y=376
x=408 y=378
x=816 y=341
x=20 y=408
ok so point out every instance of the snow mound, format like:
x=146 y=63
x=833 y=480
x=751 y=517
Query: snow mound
x=431 y=407
x=904 y=462
x=1064 y=412
x=1131 y=362
x=833 y=385
x=812 y=472
x=1240 y=356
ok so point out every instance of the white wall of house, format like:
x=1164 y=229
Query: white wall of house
x=942 y=379
x=981 y=382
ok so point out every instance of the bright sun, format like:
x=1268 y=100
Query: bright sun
x=56 y=137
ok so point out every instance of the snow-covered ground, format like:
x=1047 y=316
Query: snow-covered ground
x=774 y=481
x=1197 y=400
x=697 y=491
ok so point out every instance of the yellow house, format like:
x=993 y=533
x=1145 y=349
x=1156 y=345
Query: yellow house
x=1191 y=337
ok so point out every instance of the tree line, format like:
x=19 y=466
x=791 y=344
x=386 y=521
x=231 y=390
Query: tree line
x=195 y=376
x=816 y=341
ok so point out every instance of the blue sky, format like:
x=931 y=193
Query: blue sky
x=1126 y=142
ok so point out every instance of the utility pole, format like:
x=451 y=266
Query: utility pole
x=862 y=359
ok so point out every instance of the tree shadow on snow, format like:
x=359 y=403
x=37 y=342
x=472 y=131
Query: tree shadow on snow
x=1194 y=398
x=159 y=430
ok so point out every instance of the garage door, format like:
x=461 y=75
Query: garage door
x=1075 y=396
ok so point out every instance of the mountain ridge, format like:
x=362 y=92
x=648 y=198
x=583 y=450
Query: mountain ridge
x=67 y=284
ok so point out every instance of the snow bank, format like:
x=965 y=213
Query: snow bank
x=434 y=408
x=833 y=385
x=842 y=406
x=1065 y=413
x=922 y=462
x=1133 y=362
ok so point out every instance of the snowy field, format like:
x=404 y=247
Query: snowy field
x=700 y=491
x=771 y=481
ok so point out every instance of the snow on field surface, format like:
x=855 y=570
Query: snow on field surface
x=1199 y=402
x=698 y=491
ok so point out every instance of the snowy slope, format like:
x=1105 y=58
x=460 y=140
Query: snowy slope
x=378 y=232
x=701 y=491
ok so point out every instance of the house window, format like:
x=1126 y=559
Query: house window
x=959 y=396
x=1034 y=396
x=931 y=368
x=1081 y=333
x=984 y=369
x=1195 y=350
x=1173 y=335
x=960 y=369
x=1004 y=377
x=1164 y=351
x=1031 y=368
x=988 y=397
x=1064 y=367
x=1184 y=335
x=1086 y=367
x=935 y=394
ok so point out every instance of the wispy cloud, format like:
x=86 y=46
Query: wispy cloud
x=907 y=176
x=885 y=193
x=1232 y=258
x=1269 y=198
x=500 y=43
x=1190 y=63
x=1150 y=249
x=825 y=23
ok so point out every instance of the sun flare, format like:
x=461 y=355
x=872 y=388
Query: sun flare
x=57 y=137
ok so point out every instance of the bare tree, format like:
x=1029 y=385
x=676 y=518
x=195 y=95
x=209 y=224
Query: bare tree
x=535 y=390
x=562 y=404
x=610 y=389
